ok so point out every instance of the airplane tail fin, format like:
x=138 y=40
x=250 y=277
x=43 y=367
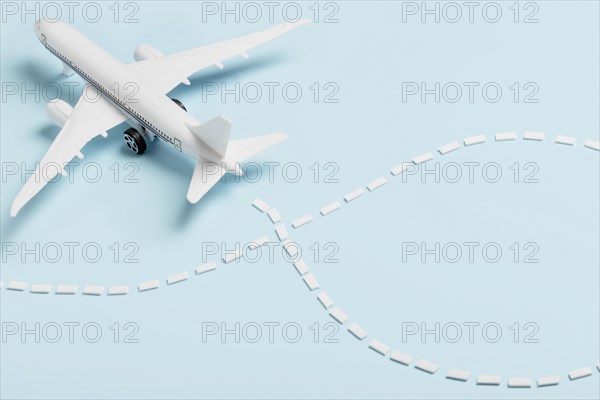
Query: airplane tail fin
x=214 y=133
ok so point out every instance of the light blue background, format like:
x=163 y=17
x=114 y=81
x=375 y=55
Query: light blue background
x=368 y=54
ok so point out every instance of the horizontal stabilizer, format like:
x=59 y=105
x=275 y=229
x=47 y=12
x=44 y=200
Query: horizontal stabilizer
x=242 y=149
x=206 y=175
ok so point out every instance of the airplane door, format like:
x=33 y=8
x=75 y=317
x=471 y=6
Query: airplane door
x=177 y=143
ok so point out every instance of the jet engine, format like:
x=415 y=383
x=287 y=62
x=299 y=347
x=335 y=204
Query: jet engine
x=58 y=111
x=146 y=52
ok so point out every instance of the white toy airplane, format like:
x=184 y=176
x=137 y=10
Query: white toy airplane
x=136 y=93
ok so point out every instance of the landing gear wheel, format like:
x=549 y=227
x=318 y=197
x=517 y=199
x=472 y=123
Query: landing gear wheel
x=180 y=104
x=135 y=141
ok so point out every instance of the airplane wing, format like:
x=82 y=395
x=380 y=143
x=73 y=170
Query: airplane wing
x=93 y=115
x=206 y=175
x=167 y=72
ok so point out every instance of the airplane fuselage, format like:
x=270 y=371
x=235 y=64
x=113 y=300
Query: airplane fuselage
x=149 y=111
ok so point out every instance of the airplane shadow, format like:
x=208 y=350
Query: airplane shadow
x=49 y=131
x=30 y=71
x=181 y=167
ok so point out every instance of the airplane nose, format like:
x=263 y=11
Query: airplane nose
x=37 y=28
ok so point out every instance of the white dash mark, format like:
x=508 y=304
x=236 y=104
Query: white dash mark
x=17 y=286
x=291 y=248
x=398 y=169
x=302 y=221
x=40 y=288
x=311 y=281
x=568 y=140
x=301 y=267
x=505 y=137
x=580 y=373
x=548 y=381
x=118 y=290
x=260 y=205
x=450 y=147
x=519 y=382
x=180 y=277
x=355 y=194
x=281 y=232
x=473 y=140
x=338 y=315
x=458 y=375
x=150 y=285
x=357 y=331
x=93 y=290
x=539 y=136
x=492 y=380
x=232 y=256
x=274 y=215
x=328 y=209
x=325 y=300
x=378 y=347
x=426 y=366
x=400 y=358
x=592 y=144
x=67 y=289
x=227 y=258
x=206 y=268
x=422 y=158
x=377 y=183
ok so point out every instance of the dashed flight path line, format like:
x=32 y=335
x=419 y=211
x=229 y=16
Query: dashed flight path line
x=312 y=284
